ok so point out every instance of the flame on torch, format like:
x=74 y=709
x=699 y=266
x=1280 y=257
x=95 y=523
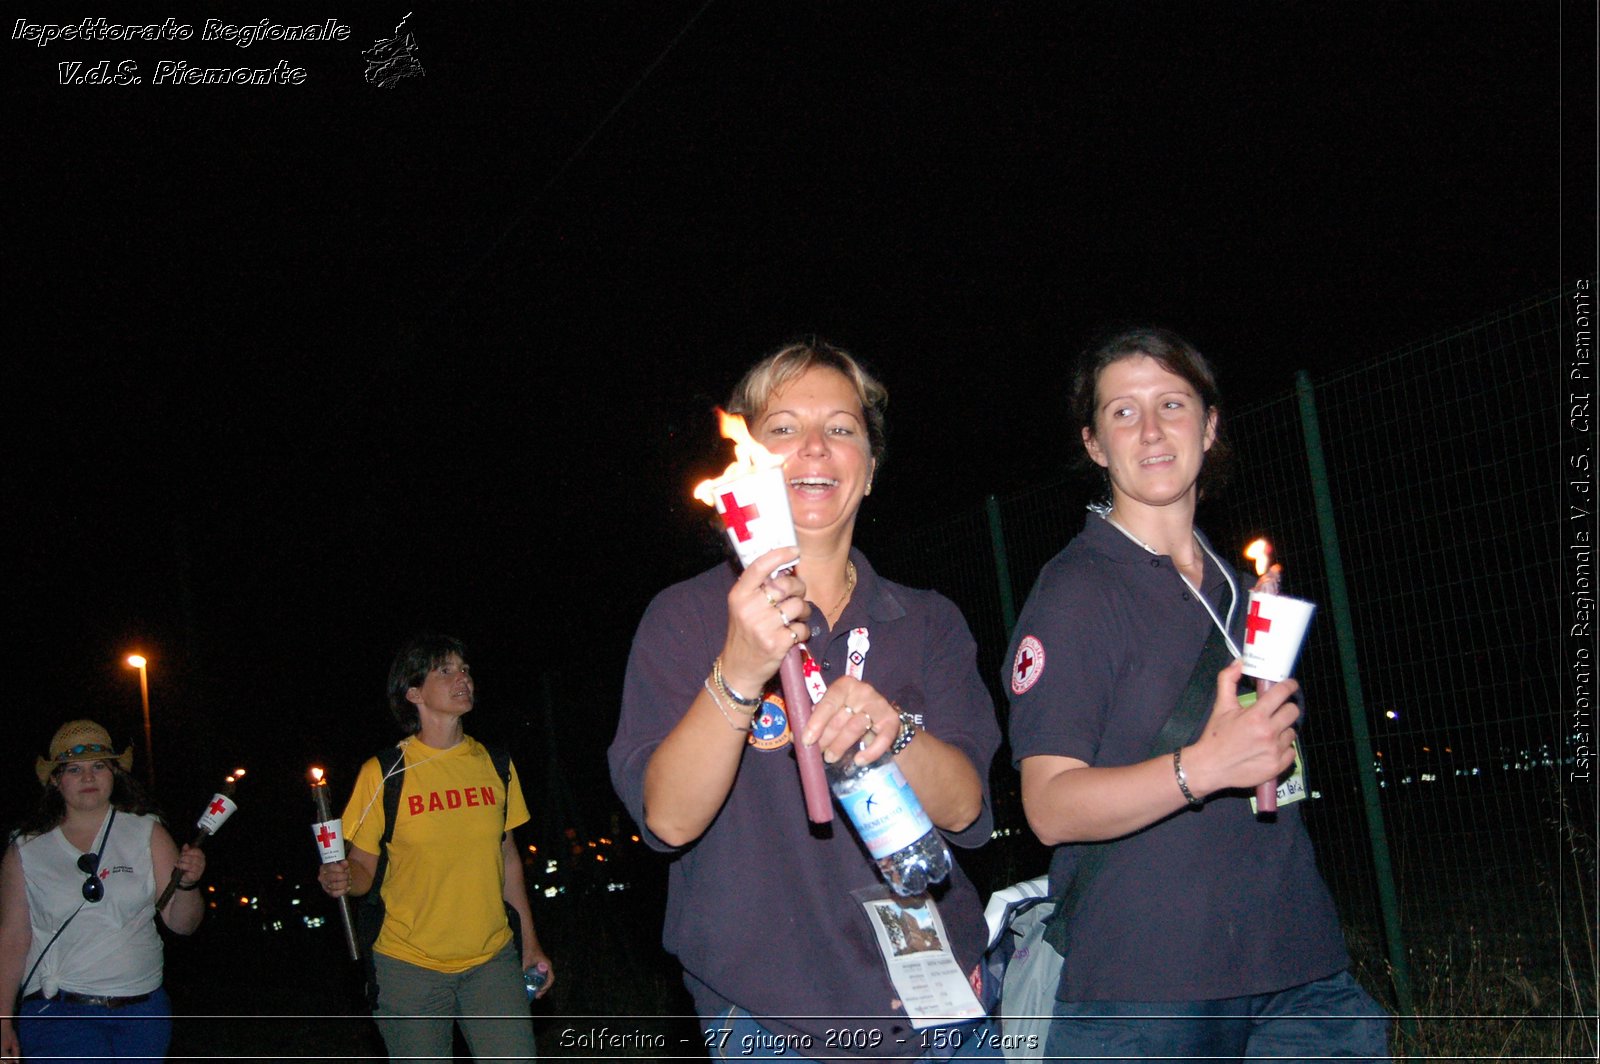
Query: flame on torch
x=748 y=456
x=316 y=777
x=1268 y=574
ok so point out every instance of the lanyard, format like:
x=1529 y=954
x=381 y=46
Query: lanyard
x=858 y=645
x=1233 y=588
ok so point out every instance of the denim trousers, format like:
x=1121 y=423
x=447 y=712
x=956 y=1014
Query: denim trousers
x=1332 y=1017
x=417 y=1007
x=63 y=1032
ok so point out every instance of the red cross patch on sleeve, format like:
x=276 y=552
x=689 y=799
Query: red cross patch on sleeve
x=1027 y=666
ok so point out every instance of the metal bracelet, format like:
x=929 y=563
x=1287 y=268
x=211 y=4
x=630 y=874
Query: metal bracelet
x=1183 y=780
x=749 y=720
x=716 y=674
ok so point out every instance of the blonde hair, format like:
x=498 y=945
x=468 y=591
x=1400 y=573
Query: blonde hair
x=787 y=364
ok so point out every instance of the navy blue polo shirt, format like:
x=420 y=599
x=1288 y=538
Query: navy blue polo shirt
x=759 y=910
x=1209 y=903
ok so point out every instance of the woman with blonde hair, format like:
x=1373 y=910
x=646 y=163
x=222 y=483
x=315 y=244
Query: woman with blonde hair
x=773 y=922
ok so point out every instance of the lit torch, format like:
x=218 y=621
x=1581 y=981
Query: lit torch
x=1269 y=578
x=329 y=834
x=218 y=810
x=753 y=502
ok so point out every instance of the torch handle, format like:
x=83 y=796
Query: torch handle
x=813 y=780
x=1266 y=793
x=348 y=919
x=177 y=873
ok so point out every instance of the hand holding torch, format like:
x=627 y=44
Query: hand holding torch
x=1274 y=630
x=217 y=811
x=329 y=834
x=1268 y=579
x=753 y=501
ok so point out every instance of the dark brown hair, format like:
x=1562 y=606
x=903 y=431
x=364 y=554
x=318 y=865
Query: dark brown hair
x=1175 y=355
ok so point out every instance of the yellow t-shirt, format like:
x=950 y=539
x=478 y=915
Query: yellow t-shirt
x=443 y=890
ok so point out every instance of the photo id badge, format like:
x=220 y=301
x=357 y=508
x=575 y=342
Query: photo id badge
x=1292 y=789
x=916 y=950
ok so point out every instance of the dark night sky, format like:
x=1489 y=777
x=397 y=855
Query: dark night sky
x=301 y=369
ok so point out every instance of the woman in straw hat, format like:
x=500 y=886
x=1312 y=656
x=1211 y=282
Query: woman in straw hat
x=78 y=887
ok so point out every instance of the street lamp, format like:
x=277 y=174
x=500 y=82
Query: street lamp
x=138 y=661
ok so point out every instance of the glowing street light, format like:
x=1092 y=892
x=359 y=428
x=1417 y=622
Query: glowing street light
x=137 y=661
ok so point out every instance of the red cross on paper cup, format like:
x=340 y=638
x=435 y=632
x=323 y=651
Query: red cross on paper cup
x=1274 y=629
x=755 y=511
x=737 y=518
x=217 y=812
x=330 y=840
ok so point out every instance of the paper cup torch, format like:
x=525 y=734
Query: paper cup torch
x=1274 y=629
x=752 y=499
x=215 y=814
x=329 y=833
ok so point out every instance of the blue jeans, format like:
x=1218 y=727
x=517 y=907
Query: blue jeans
x=1331 y=1017
x=733 y=1034
x=417 y=1007
x=60 y=1031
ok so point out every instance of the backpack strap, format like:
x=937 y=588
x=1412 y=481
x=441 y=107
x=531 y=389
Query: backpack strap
x=1188 y=714
x=389 y=761
x=502 y=767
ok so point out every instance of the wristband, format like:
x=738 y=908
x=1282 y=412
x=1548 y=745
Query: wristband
x=1183 y=780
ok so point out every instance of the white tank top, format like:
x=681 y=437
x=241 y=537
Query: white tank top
x=111 y=948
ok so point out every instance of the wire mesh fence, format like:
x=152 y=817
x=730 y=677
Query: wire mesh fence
x=1443 y=474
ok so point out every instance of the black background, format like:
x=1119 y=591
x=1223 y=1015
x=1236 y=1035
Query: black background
x=299 y=370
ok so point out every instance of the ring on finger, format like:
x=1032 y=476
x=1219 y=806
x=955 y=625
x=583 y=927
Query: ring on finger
x=786 y=621
x=770 y=600
x=794 y=637
x=848 y=711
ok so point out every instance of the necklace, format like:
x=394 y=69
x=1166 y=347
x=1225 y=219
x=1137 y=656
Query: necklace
x=1233 y=589
x=849 y=586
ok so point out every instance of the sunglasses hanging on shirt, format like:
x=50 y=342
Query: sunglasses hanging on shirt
x=89 y=865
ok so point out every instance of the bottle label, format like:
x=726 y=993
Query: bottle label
x=886 y=812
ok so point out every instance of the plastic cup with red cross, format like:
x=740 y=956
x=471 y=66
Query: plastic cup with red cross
x=755 y=510
x=1274 y=630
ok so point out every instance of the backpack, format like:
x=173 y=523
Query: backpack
x=1026 y=967
x=370 y=910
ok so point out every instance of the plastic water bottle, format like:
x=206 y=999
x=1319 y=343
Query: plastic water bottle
x=533 y=979
x=909 y=850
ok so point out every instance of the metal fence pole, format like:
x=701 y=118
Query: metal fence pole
x=1344 y=629
x=1002 y=566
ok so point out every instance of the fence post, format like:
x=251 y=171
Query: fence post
x=1344 y=630
x=1002 y=566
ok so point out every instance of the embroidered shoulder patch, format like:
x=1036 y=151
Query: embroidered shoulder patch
x=769 y=728
x=1027 y=666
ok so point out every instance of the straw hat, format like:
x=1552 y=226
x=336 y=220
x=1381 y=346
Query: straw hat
x=81 y=740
